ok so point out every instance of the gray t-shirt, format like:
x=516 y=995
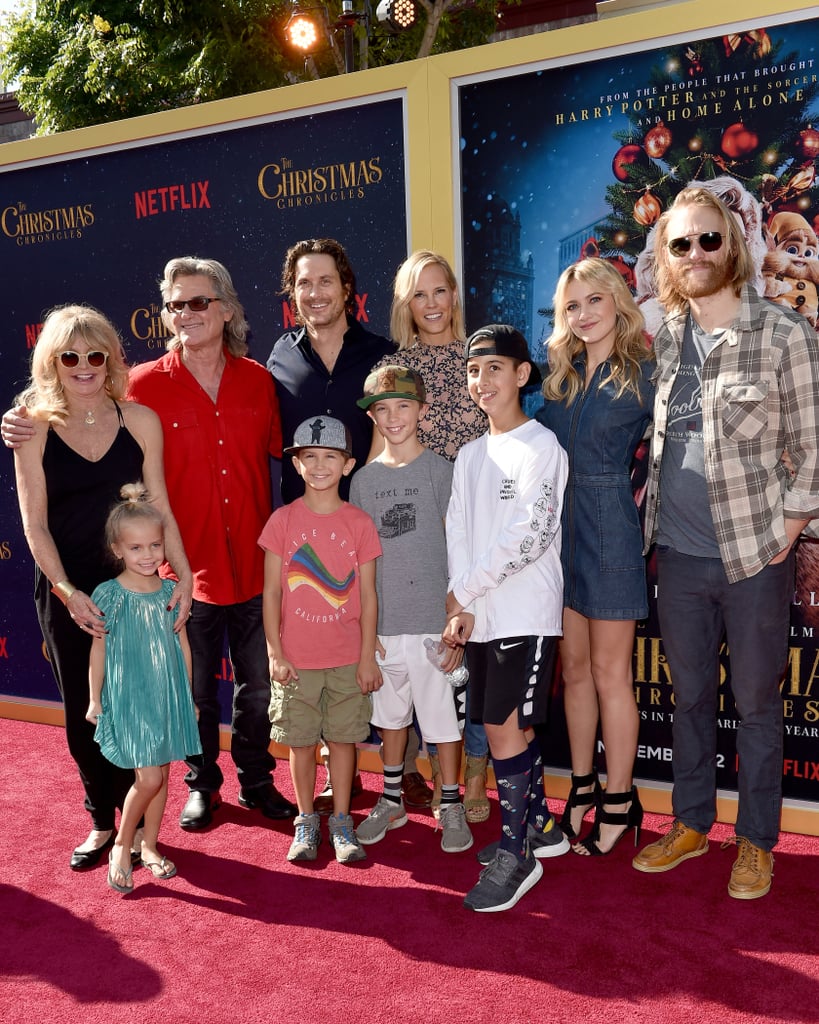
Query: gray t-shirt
x=685 y=521
x=408 y=505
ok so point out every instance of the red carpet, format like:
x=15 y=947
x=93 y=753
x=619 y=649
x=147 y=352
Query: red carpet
x=241 y=935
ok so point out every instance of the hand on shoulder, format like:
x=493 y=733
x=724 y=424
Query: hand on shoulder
x=17 y=427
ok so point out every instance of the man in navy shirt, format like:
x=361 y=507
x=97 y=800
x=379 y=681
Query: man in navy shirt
x=320 y=366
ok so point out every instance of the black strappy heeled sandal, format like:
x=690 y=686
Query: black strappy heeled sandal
x=632 y=818
x=584 y=800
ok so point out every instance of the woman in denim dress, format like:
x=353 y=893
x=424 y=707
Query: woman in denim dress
x=599 y=400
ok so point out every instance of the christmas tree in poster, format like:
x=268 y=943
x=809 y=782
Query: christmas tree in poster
x=739 y=126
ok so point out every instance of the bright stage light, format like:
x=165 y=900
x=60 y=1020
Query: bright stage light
x=302 y=32
x=397 y=15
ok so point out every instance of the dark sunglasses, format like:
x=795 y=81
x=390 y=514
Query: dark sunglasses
x=70 y=358
x=196 y=305
x=708 y=241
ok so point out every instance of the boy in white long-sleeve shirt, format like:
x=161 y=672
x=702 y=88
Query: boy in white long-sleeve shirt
x=506 y=599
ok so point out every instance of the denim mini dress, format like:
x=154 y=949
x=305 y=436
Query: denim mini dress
x=604 y=571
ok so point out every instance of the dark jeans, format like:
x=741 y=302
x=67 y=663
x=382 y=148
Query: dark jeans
x=696 y=606
x=250 y=725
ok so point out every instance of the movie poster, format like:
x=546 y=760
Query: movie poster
x=561 y=162
x=98 y=228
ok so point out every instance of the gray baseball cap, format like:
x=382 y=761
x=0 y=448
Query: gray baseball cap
x=321 y=432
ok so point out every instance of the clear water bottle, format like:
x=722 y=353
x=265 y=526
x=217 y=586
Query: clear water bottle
x=435 y=655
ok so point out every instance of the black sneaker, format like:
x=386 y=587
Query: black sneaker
x=502 y=883
x=542 y=844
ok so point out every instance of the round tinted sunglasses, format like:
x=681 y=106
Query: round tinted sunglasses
x=708 y=241
x=70 y=358
x=197 y=304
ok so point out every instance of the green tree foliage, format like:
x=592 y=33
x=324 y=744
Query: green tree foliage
x=85 y=62
x=92 y=61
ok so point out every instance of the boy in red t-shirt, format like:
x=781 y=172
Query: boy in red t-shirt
x=320 y=614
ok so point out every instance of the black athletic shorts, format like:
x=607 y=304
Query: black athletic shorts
x=515 y=672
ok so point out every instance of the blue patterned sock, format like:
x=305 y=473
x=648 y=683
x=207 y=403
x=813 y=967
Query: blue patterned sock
x=539 y=814
x=514 y=778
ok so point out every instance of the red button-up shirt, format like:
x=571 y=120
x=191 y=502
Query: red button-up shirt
x=217 y=467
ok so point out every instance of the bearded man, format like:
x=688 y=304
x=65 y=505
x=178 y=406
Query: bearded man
x=737 y=383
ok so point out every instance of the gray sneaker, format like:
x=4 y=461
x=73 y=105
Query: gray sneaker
x=542 y=844
x=502 y=883
x=343 y=838
x=456 y=835
x=307 y=838
x=385 y=815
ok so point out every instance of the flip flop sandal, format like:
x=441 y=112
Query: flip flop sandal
x=114 y=870
x=160 y=869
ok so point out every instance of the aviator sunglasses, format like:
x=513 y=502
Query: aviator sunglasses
x=708 y=241
x=197 y=304
x=70 y=358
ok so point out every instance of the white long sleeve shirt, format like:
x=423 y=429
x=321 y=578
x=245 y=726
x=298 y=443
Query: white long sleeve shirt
x=503 y=532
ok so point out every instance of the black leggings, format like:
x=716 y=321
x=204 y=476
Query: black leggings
x=68 y=649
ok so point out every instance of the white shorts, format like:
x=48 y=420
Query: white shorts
x=410 y=679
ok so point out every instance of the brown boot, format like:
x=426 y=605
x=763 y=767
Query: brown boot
x=752 y=870
x=678 y=844
x=323 y=803
x=476 y=802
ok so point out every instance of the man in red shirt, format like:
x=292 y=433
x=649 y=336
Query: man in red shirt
x=221 y=423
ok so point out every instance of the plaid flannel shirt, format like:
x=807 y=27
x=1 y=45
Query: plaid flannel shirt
x=760 y=395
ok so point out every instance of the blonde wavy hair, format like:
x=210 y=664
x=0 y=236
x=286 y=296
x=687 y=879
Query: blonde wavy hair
x=44 y=396
x=403 y=328
x=563 y=382
x=739 y=256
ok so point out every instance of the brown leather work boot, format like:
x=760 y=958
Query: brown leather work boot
x=677 y=845
x=752 y=871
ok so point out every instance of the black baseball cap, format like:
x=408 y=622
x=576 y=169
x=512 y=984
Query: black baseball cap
x=502 y=340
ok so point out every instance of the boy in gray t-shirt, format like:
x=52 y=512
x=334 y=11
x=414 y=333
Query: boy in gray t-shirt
x=406 y=492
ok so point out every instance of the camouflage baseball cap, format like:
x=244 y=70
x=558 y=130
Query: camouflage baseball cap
x=393 y=381
x=321 y=432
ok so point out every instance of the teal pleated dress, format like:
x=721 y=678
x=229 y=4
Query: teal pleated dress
x=147 y=714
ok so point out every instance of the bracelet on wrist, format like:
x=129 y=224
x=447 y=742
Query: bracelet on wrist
x=63 y=590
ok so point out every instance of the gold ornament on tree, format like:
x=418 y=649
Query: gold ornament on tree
x=802 y=180
x=657 y=141
x=647 y=209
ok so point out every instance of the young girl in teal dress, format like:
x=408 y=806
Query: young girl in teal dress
x=139 y=676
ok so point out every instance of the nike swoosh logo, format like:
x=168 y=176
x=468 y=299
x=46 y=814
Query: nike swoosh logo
x=503 y=646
